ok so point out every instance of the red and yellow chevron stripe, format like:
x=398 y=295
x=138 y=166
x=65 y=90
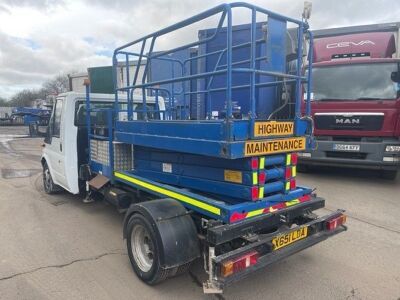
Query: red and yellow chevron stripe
x=237 y=216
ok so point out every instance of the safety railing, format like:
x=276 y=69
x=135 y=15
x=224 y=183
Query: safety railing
x=225 y=67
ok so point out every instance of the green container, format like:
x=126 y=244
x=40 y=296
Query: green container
x=101 y=80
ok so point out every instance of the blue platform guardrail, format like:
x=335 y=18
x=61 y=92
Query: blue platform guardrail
x=259 y=74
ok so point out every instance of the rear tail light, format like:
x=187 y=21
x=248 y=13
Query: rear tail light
x=336 y=222
x=239 y=264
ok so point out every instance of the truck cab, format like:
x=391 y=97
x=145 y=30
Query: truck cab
x=356 y=102
x=66 y=142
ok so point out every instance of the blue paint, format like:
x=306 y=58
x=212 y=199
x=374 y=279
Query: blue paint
x=226 y=209
x=236 y=71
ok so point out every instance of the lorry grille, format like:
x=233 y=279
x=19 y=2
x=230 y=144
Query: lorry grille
x=361 y=122
x=346 y=155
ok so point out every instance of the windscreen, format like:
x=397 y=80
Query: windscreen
x=355 y=82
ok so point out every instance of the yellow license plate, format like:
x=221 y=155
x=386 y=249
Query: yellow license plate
x=283 y=240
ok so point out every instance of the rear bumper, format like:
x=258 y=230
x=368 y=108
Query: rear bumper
x=318 y=233
x=370 y=156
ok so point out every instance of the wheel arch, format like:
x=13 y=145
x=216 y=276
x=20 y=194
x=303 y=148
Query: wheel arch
x=175 y=230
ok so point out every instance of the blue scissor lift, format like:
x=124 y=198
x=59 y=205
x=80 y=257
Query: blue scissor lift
x=225 y=146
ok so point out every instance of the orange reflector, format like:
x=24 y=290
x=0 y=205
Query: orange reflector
x=336 y=222
x=239 y=264
x=227 y=268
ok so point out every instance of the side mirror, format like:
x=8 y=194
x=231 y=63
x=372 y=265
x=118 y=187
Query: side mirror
x=49 y=133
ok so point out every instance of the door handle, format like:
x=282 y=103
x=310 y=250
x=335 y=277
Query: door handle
x=61 y=147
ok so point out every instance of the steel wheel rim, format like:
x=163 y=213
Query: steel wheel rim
x=142 y=248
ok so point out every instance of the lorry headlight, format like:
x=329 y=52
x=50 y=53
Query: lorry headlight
x=391 y=159
x=392 y=148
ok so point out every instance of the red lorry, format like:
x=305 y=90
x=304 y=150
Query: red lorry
x=356 y=98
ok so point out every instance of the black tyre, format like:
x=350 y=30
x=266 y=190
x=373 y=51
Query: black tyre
x=144 y=251
x=48 y=184
x=389 y=174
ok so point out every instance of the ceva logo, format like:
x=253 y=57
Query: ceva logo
x=348 y=44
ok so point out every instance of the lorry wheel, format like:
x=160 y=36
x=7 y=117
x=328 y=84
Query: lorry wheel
x=143 y=251
x=48 y=184
x=389 y=174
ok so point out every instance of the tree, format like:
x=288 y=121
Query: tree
x=4 y=102
x=55 y=86
x=24 y=98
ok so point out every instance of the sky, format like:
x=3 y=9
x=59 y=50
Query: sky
x=43 y=38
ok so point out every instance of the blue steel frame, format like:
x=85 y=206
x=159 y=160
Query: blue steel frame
x=229 y=125
x=225 y=10
x=226 y=210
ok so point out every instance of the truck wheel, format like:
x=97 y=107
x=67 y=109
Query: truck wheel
x=143 y=251
x=48 y=184
x=389 y=174
x=161 y=239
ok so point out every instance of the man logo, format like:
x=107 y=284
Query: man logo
x=348 y=44
x=347 y=121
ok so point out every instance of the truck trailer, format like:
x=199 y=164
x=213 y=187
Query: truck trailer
x=356 y=98
x=220 y=186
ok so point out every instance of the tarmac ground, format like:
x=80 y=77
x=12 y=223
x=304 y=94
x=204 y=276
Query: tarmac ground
x=56 y=247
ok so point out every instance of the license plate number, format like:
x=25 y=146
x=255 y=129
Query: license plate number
x=341 y=147
x=283 y=240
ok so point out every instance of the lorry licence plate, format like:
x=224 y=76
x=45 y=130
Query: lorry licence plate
x=342 y=147
x=283 y=240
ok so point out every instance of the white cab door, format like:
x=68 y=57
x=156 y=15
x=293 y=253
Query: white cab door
x=56 y=148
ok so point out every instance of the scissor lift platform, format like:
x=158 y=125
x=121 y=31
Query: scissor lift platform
x=219 y=138
x=219 y=69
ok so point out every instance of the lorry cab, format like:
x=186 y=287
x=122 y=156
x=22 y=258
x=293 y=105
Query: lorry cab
x=356 y=102
x=66 y=142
